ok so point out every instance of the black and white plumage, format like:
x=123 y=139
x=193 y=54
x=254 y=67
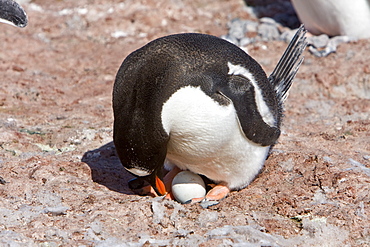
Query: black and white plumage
x=203 y=104
x=12 y=13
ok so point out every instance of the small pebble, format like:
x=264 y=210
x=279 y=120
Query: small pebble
x=268 y=32
x=268 y=29
x=237 y=29
x=207 y=203
x=251 y=26
x=320 y=41
x=55 y=211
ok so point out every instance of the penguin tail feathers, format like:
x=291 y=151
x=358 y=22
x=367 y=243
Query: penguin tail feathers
x=286 y=69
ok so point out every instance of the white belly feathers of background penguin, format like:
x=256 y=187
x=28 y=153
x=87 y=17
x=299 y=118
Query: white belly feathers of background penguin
x=199 y=103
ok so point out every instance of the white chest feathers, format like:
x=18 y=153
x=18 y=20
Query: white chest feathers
x=206 y=138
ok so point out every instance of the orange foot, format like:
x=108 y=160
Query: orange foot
x=218 y=192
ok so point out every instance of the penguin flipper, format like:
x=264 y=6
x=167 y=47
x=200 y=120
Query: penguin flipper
x=286 y=69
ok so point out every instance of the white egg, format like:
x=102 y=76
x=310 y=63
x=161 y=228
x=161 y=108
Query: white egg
x=187 y=185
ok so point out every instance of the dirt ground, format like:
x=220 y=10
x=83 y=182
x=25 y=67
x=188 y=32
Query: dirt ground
x=62 y=184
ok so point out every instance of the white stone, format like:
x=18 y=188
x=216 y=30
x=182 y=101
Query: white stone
x=187 y=185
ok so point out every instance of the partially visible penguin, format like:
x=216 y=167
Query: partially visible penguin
x=335 y=17
x=201 y=104
x=12 y=13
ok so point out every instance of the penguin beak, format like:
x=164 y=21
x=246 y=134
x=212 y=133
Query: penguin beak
x=157 y=183
x=159 y=187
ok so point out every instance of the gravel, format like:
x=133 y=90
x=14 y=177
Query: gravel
x=245 y=32
x=65 y=185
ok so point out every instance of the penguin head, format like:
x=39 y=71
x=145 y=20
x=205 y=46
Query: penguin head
x=145 y=165
x=12 y=13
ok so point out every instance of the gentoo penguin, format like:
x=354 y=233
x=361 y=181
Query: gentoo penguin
x=12 y=13
x=202 y=104
x=335 y=17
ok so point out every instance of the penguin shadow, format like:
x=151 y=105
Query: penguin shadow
x=106 y=168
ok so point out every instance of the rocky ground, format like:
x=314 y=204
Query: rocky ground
x=62 y=185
